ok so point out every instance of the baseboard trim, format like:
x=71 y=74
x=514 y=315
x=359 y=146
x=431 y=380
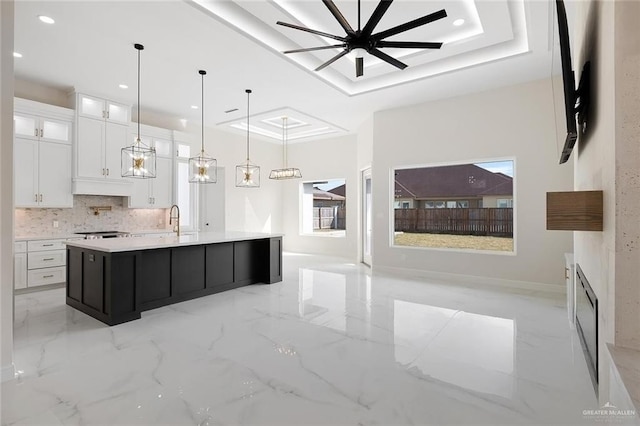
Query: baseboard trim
x=471 y=280
x=7 y=373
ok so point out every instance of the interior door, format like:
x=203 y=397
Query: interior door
x=367 y=217
x=212 y=210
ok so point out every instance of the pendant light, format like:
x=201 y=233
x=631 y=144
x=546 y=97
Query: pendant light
x=248 y=174
x=202 y=168
x=285 y=172
x=138 y=160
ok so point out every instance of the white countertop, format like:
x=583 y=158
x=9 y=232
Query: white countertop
x=114 y=245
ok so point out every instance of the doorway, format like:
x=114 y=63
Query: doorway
x=367 y=224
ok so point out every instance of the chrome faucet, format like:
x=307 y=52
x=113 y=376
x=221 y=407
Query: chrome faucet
x=177 y=218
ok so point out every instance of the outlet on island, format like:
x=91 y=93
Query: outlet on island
x=55 y=223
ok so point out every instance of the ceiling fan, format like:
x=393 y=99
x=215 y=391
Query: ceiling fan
x=365 y=38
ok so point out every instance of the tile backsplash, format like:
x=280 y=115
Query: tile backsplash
x=37 y=222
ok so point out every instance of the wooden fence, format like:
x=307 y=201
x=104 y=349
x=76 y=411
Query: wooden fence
x=329 y=218
x=495 y=222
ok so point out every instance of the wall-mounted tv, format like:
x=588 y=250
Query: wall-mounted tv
x=576 y=102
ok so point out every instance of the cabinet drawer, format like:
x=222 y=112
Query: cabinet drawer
x=20 y=247
x=46 y=259
x=46 y=276
x=41 y=245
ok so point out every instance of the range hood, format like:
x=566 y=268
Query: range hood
x=88 y=186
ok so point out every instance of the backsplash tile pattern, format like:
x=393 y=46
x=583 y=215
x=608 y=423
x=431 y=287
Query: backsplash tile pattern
x=38 y=222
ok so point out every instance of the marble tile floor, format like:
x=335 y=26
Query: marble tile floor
x=329 y=345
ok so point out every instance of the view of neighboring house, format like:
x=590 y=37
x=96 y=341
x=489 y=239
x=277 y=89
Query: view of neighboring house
x=329 y=198
x=455 y=186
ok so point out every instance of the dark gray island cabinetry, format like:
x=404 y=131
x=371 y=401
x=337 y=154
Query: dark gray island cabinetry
x=114 y=280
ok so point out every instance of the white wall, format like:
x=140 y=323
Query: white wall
x=319 y=160
x=6 y=190
x=247 y=209
x=607 y=34
x=516 y=122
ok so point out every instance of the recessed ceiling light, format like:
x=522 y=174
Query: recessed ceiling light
x=17 y=55
x=194 y=106
x=46 y=19
x=123 y=86
x=458 y=22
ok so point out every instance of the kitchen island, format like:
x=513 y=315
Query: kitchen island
x=114 y=280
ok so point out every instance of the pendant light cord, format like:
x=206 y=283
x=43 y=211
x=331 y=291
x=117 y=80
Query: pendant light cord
x=202 y=73
x=284 y=140
x=358 y=15
x=139 y=47
x=248 y=93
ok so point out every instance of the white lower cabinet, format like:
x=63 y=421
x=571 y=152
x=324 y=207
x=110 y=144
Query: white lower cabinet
x=39 y=262
x=20 y=265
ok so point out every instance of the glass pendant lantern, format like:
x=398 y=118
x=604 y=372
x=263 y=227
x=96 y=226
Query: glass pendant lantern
x=203 y=168
x=138 y=160
x=285 y=172
x=248 y=174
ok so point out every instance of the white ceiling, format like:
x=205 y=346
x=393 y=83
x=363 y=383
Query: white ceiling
x=90 y=49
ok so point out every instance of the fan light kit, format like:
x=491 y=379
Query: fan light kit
x=202 y=168
x=365 y=38
x=138 y=160
x=285 y=172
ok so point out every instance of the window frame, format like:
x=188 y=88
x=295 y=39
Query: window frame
x=391 y=209
x=339 y=233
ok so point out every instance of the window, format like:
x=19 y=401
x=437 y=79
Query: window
x=186 y=193
x=324 y=206
x=459 y=206
x=504 y=202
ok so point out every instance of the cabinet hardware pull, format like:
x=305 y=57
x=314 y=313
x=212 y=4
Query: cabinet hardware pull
x=104 y=115
x=40 y=197
x=36 y=200
x=107 y=172
x=566 y=273
x=36 y=133
x=47 y=259
x=102 y=172
x=47 y=245
x=47 y=276
x=41 y=133
x=107 y=114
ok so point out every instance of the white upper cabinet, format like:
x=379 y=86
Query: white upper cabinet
x=156 y=192
x=42 y=128
x=102 y=131
x=93 y=107
x=42 y=155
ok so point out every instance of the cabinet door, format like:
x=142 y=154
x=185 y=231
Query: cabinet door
x=89 y=106
x=162 y=184
x=118 y=113
x=140 y=197
x=90 y=148
x=25 y=126
x=55 y=175
x=55 y=130
x=20 y=270
x=116 y=138
x=25 y=172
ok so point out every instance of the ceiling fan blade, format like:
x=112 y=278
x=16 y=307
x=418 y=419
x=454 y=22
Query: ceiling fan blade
x=316 y=32
x=310 y=49
x=410 y=44
x=411 y=25
x=393 y=61
x=338 y=15
x=332 y=60
x=376 y=16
